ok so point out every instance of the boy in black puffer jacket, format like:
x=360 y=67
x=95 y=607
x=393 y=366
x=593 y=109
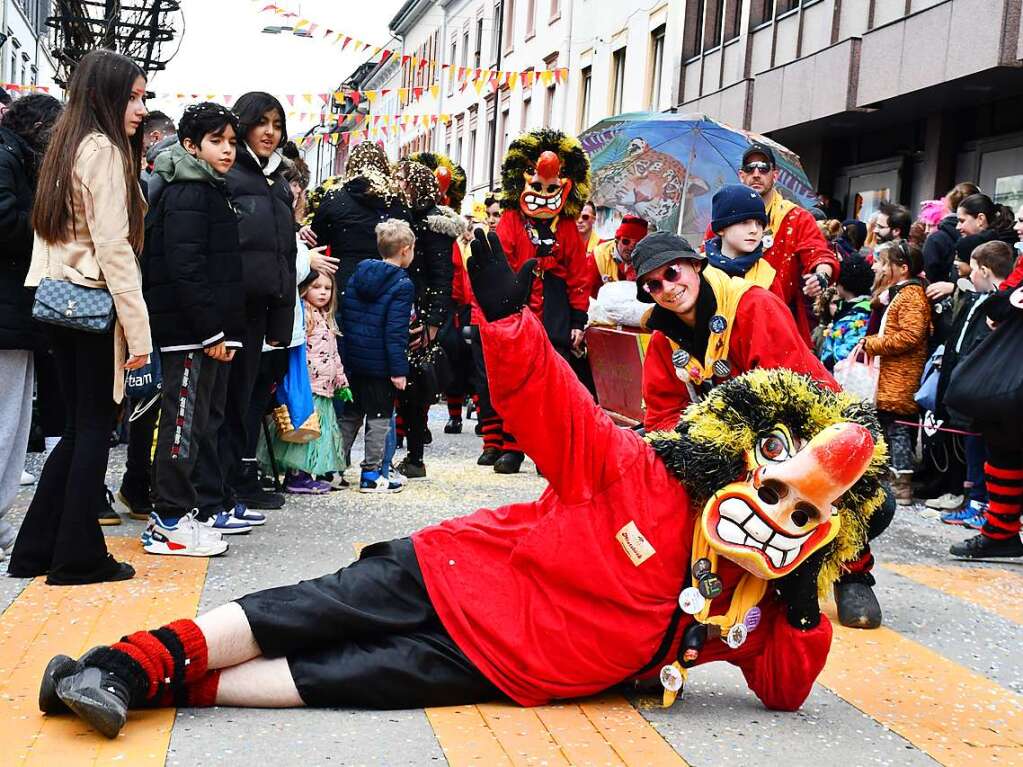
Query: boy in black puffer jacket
x=374 y=337
x=192 y=283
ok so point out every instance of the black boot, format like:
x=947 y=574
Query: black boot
x=479 y=429
x=105 y=685
x=412 y=469
x=857 y=605
x=251 y=494
x=427 y=437
x=982 y=547
x=509 y=463
x=59 y=668
x=488 y=457
x=453 y=426
x=107 y=514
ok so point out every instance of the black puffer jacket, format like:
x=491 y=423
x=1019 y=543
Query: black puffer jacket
x=266 y=239
x=432 y=270
x=346 y=221
x=17 y=329
x=191 y=270
x=940 y=250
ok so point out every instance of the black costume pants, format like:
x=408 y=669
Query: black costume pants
x=366 y=636
x=234 y=436
x=192 y=382
x=60 y=534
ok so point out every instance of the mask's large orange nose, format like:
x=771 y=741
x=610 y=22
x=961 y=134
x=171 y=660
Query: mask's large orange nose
x=827 y=466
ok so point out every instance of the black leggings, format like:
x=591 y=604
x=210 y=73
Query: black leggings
x=61 y=534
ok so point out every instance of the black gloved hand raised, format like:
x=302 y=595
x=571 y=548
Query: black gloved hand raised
x=499 y=291
x=798 y=590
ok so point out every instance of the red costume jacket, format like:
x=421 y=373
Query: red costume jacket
x=541 y=596
x=764 y=336
x=568 y=262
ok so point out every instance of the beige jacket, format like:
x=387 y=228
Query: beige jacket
x=98 y=254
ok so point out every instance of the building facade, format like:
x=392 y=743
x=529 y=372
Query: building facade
x=882 y=99
x=25 y=58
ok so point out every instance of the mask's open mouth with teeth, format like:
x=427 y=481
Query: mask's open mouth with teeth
x=539 y=204
x=739 y=531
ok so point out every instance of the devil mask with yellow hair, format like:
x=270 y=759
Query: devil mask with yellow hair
x=784 y=467
x=451 y=180
x=545 y=174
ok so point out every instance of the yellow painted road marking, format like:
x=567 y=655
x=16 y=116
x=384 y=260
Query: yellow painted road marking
x=46 y=620
x=604 y=731
x=994 y=590
x=953 y=714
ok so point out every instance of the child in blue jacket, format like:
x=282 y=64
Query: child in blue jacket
x=852 y=312
x=374 y=338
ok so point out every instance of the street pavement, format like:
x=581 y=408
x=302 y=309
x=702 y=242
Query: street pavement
x=940 y=683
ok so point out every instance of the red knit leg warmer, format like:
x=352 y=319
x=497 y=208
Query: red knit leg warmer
x=171 y=657
x=202 y=693
x=492 y=433
x=454 y=402
x=1005 y=496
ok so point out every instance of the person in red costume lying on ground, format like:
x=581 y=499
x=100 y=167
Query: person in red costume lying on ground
x=709 y=327
x=644 y=557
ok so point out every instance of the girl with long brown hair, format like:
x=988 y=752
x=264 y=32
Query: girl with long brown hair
x=89 y=221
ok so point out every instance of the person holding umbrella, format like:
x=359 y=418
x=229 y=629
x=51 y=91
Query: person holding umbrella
x=793 y=245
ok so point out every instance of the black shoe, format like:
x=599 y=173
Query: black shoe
x=427 y=437
x=982 y=547
x=488 y=457
x=99 y=698
x=59 y=667
x=453 y=426
x=857 y=605
x=411 y=469
x=470 y=409
x=509 y=463
x=107 y=516
x=479 y=429
x=110 y=572
x=257 y=498
x=139 y=506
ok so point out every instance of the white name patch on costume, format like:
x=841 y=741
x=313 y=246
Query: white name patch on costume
x=636 y=546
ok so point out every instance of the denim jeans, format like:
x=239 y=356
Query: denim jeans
x=976 y=455
x=389 y=447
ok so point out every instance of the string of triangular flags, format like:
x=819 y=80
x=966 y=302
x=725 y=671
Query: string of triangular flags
x=458 y=74
x=480 y=78
x=19 y=88
x=358 y=118
x=337 y=138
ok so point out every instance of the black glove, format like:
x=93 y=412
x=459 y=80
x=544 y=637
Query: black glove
x=798 y=590
x=546 y=237
x=499 y=291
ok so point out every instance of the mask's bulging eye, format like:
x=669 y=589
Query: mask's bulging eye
x=774 y=447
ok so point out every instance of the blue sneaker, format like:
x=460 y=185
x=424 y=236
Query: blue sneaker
x=977 y=512
x=245 y=514
x=374 y=482
x=225 y=523
x=959 y=516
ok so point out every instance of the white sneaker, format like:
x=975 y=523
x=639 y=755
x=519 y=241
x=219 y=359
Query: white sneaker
x=374 y=482
x=27 y=479
x=186 y=538
x=946 y=502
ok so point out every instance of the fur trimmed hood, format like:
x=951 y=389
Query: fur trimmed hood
x=446 y=221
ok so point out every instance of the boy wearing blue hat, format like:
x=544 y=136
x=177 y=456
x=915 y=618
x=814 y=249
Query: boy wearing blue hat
x=738 y=218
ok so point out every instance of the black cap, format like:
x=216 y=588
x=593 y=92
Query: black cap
x=657 y=249
x=757 y=148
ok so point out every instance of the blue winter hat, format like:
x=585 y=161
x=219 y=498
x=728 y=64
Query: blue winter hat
x=734 y=203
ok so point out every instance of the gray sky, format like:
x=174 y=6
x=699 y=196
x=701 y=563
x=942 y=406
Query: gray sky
x=224 y=51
